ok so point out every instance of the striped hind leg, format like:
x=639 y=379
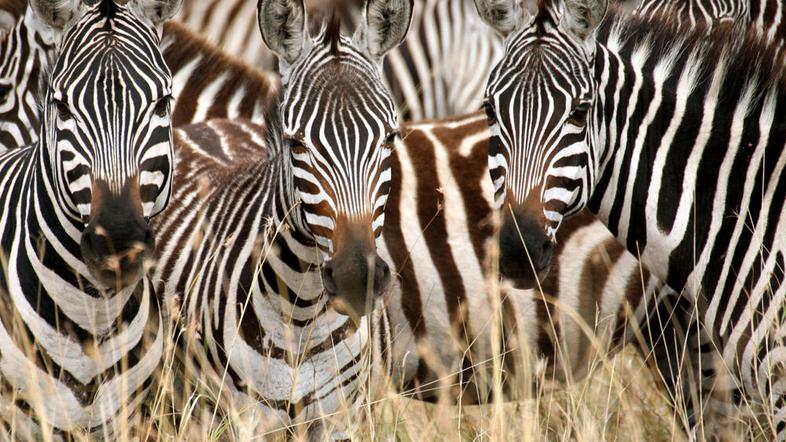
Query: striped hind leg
x=682 y=355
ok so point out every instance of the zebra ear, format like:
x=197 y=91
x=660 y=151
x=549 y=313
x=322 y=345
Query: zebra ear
x=7 y=22
x=283 y=27
x=581 y=17
x=502 y=15
x=159 y=11
x=385 y=25
x=55 y=13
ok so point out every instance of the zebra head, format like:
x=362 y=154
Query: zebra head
x=339 y=123
x=538 y=101
x=105 y=132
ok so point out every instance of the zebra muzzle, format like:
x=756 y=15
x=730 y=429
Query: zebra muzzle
x=117 y=239
x=525 y=250
x=353 y=281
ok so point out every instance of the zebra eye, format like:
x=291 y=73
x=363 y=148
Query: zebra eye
x=296 y=146
x=162 y=107
x=579 y=115
x=63 y=112
x=391 y=139
x=5 y=90
x=489 y=109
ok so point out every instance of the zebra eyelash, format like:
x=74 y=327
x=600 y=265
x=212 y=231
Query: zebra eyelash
x=491 y=114
x=63 y=111
x=162 y=106
x=578 y=116
x=5 y=91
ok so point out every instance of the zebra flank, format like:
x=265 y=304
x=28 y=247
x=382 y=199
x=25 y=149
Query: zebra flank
x=80 y=330
x=673 y=138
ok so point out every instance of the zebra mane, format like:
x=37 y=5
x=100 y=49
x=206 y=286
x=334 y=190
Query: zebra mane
x=108 y=9
x=274 y=128
x=746 y=58
x=547 y=13
x=333 y=31
x=43 y=84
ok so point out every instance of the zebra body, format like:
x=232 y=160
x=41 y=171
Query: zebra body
x=206 y=82
x=253 y=286
x=81 y=334
x=695 y=119
x=269 y=255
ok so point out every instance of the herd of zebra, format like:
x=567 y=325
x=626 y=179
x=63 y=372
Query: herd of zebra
x=568 y=173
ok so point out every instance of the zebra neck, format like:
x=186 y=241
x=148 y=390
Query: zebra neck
x=628 y=137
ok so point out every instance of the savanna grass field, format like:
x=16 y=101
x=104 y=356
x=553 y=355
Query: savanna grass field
x=617 y=394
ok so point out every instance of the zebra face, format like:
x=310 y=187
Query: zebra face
x=106 y=126
x=339 y=125
x=539 y=99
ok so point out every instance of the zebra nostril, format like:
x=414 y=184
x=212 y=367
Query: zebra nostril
x=546 y=253
x=327 y=279
x=381 y=276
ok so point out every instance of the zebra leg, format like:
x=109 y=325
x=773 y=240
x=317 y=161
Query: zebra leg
x=680 y=351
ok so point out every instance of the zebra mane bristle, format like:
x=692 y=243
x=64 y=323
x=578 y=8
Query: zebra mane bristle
x=747 y=56
x=545 y=14
x=108 y=8
x=274 y=132
x=333 y=31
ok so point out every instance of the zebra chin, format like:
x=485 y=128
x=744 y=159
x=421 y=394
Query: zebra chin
x=525 y=249
x=117 y=239
x=355 y=275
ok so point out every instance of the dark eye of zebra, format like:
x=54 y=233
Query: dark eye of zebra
x=297 y=146
x=489 y=109
x=162 y=107
x=391 y=139
x=579 y=115
x=63 y=112
x=5 y=90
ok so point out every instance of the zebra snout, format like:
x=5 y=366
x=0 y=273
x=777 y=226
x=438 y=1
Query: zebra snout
x=353 y=279
x=115 y=245
x=525 y=251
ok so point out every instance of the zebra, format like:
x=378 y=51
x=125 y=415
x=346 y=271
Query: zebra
x=576 y=102
x=189 y=55
x=206 y=82
x=80 y=332
x=276 y=225
x=427 y=74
